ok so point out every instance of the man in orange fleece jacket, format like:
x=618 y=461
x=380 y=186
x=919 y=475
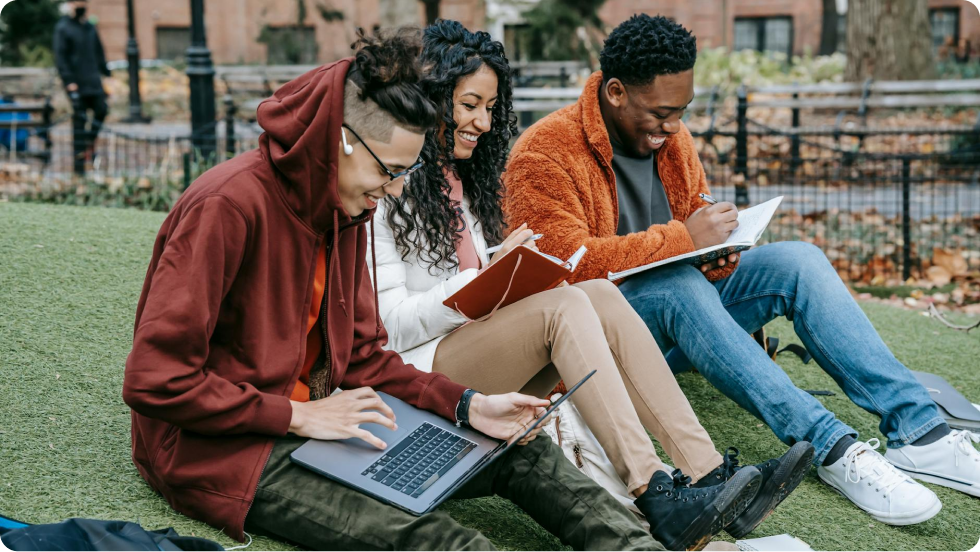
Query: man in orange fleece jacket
x=618 y=172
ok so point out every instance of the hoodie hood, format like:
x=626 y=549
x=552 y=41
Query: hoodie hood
x=302 y=129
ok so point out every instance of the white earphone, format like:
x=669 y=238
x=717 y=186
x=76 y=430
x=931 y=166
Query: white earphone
x=348 y=149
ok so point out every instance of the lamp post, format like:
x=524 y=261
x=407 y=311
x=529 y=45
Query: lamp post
x=133 y=59
x=200 y=70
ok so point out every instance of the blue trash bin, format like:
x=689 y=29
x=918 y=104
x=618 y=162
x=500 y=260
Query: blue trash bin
x=6 y=134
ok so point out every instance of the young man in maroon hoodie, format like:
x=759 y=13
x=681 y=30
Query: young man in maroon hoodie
x=257 y=305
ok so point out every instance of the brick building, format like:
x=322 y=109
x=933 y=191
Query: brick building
x=268 y=31
x=791 y=26
x=253 y=31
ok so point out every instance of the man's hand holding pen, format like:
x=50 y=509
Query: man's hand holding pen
x=711 y=225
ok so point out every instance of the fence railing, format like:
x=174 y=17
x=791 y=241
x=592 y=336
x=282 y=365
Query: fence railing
x=877 y=199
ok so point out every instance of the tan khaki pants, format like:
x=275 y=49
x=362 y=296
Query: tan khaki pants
x=577 y=329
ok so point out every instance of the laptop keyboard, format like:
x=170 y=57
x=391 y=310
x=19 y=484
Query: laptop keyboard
x=419 y=460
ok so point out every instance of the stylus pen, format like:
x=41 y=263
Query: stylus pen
x=708 y=198
x=494 y=249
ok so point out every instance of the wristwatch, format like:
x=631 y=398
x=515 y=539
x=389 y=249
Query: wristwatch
x=463 y=408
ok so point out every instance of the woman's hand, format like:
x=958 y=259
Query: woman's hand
x=340 y=416
x=507 y=416
x=515 y=239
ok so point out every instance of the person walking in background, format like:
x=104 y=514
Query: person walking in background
x=80 y=60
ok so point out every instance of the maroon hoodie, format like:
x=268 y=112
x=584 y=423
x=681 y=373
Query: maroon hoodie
x=221 y=324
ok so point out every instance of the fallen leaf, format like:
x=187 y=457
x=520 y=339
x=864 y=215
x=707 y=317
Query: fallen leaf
x=938 y=275
x=953 y=261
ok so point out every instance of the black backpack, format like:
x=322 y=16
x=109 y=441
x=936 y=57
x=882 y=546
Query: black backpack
x=95 y=534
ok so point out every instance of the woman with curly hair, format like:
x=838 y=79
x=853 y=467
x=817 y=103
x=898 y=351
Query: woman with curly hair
x=257 y=306
x=432 y=241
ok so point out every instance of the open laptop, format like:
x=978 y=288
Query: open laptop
x=428 y=458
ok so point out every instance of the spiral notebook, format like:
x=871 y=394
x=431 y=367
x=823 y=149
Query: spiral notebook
x=752 y=222
x=519 y=274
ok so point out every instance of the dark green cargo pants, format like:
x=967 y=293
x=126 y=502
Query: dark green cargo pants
x=297 y=505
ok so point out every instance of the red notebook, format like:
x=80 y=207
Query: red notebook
x=521 y=273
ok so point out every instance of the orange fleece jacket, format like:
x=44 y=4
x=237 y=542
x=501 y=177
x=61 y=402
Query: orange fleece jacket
x=560 y=181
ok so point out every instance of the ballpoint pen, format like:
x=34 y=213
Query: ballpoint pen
x=708 y=198
x=494 y=249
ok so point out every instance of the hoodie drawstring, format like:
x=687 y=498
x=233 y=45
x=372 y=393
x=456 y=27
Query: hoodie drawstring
x=334 y=264
x=374 y=281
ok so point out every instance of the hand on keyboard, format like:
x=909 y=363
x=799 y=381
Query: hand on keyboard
x=340 y=416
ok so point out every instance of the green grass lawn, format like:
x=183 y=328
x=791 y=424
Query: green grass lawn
x=69 y=281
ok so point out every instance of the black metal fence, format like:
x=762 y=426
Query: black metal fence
x=877 y=200
x=142 y=165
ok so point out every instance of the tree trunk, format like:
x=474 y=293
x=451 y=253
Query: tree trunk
x=398 y=13
x=888 y=40
x=828 y=30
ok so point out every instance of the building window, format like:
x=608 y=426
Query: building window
x=290 y=45
x=945 y=27
x=764 y=34
x=173 y=42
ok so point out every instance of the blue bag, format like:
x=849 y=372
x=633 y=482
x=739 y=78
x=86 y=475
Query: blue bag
x=94 y=534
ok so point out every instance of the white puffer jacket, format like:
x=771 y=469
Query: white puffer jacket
x=410 y=296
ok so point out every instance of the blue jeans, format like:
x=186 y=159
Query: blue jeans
x=709 y=323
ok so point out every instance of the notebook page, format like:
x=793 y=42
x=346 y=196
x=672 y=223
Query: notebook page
x=576 y=258
x=752 y=222
x=572 y=261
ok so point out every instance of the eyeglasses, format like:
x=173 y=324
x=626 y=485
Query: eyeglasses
x=392 y=176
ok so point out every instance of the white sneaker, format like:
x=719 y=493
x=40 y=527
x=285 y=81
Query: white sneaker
x=878 y=488
x=951 y=462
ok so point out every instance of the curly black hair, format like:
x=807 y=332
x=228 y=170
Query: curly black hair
x=643 y=47
x=423 y=219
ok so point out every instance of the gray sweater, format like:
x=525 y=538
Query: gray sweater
x=642 y=200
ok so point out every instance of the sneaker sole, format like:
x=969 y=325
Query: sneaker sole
x=739 y=492
x=912 y=520
x=793 y=467
x=972 y=490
